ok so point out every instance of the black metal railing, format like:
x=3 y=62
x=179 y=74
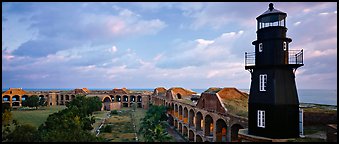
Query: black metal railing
x=294 y=57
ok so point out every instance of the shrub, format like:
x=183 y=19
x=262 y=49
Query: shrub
x=114 y=112
x=107 y=129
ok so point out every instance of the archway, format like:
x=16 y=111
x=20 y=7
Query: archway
x=198 y=138
x=191 y=136
x=176 y=113
x=176 y=124
x=41 y=96
x=6 y=98
x=132 y=98
x=178 y=95
x=125 y=98
x=112 y=97
x=185 y=115
x=139 y=99
x=185 y=132
x=15 y=98
x=172 y=109
x=118 y=98
x=234 y=132
x=67 y=97
x=221 y=130
x=191 y=118
x=180 y=127
x=24 y=97
x=171 y=120
x=107 y=103
x=199 y=122
x=208 y=125
x=180 y=112
x=72 y=97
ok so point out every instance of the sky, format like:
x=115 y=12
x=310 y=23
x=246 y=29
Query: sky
x=147 y=45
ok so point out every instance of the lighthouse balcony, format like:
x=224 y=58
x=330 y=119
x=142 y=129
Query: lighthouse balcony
x=292 y=58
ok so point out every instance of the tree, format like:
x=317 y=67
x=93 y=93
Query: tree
x=5 y=106
x=23 y=133
x=68 y=125
x=42 y=102
x=32 y=101
x=6 y=117
x=72 y=124
x=153 y=125
x=134 y=106
x=87 y=105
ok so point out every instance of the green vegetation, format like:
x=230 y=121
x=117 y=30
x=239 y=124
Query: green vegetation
x=35 y=117
x=237 y=106
x=23 y=133
x=122 y=127
x=34 y=101
x=107 y=128
x=153 y=125
x=114 y=112
x=68 y=125
x=122 y=124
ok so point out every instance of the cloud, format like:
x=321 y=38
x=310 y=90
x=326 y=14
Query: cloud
x=297 y=23
x=202 y=52
x=58 y=30
x=105 y=45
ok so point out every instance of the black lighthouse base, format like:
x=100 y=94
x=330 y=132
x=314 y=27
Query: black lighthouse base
x=281 y=121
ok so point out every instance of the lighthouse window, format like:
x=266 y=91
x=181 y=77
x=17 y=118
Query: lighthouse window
x=284 y=46
x=262 y=82
x=261 y=118
x=260 y=47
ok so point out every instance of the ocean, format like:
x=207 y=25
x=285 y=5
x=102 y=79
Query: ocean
x=317 y=96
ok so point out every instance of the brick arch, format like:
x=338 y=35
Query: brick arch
x=176 y=110
x=112 y=98
x=67 y=97
x=191 y=135
x=221 y=130
x=125 y=98
x=8 y=98
x=180 y=127
x=139 y=98
x=16 y=98
x=118 y=98
x=185 y=115
x=185 y=131
x=132 y=98
x=198 y=121
x=24 y=97
x=106 y=100
x=191 y=115
x=209 y=125
x=198 y=138
x=234 y=131
x=180 y=112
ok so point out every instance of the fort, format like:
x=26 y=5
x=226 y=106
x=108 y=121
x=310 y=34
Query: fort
x=111 y=99
x=215 y=115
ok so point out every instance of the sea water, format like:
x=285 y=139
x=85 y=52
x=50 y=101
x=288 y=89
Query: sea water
x=317 y=96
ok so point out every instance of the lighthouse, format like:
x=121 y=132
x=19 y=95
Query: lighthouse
x=273 y=107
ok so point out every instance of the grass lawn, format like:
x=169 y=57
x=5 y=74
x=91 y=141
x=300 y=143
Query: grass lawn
x=123 y=130
x=35 y=117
